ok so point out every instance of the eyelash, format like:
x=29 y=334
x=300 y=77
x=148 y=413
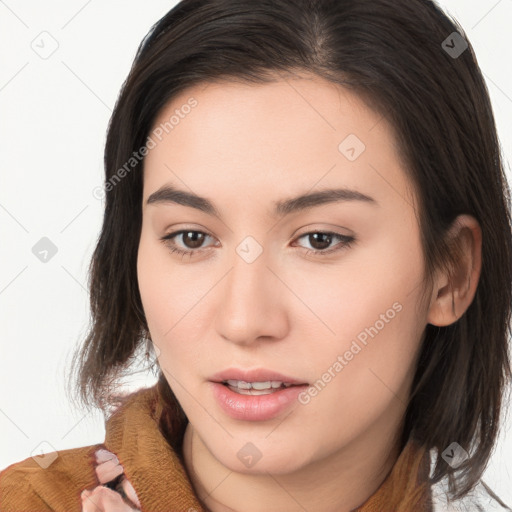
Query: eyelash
x=346 y=242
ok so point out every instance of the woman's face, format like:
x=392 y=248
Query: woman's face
x=262 y=294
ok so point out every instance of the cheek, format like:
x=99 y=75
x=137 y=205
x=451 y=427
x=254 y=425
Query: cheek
x=152 y=284
x=367 y=376
x=365 y=368
x=161 y=295
x=348 y=297
x=172 y=298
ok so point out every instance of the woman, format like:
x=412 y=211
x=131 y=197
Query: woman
x=307 y=217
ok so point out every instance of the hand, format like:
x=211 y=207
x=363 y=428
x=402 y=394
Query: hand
x=104 y=499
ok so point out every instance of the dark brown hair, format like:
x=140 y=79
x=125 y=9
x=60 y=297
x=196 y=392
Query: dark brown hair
x=391 y=53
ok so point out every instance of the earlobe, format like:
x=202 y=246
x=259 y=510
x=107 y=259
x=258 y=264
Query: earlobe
x=453 y=292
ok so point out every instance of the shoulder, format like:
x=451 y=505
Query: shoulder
x=52 y=481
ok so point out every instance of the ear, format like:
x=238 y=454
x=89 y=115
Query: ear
x=453 y=294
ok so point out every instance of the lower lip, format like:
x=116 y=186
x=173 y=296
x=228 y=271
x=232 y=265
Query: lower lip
x=255 y=407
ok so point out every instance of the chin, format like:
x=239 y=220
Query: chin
x=261 y=457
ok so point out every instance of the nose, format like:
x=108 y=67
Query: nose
x=252 y=303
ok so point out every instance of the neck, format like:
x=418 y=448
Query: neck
x=340 y=482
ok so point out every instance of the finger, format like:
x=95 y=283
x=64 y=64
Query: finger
x=103 y=455
x=107 y=471
x=130 y=492
x=103 y=499
x=88 y=502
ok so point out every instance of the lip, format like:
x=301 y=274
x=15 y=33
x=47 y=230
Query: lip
x=256 y=375
x=254 y=407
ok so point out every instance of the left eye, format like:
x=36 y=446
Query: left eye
x=323 y=238
x=196 y=239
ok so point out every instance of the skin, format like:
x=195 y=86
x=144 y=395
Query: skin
x=244 y=147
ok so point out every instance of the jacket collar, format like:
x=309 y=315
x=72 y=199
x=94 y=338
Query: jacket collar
x=150 y=464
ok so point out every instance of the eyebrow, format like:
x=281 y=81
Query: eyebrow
x=171 y=194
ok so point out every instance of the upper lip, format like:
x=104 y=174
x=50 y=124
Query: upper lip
x=256 y=375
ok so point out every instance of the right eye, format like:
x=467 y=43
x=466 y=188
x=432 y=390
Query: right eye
x=189 y=237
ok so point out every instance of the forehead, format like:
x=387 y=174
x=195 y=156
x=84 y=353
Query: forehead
x=288 y=135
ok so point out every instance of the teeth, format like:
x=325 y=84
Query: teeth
x=262 y=385
x=239 y=384
x=257 y=386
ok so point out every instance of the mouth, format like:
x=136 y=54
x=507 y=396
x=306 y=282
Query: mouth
x=243 y=387
x=255 y=382
x=255 y=395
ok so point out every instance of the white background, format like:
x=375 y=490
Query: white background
x=54 y=115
